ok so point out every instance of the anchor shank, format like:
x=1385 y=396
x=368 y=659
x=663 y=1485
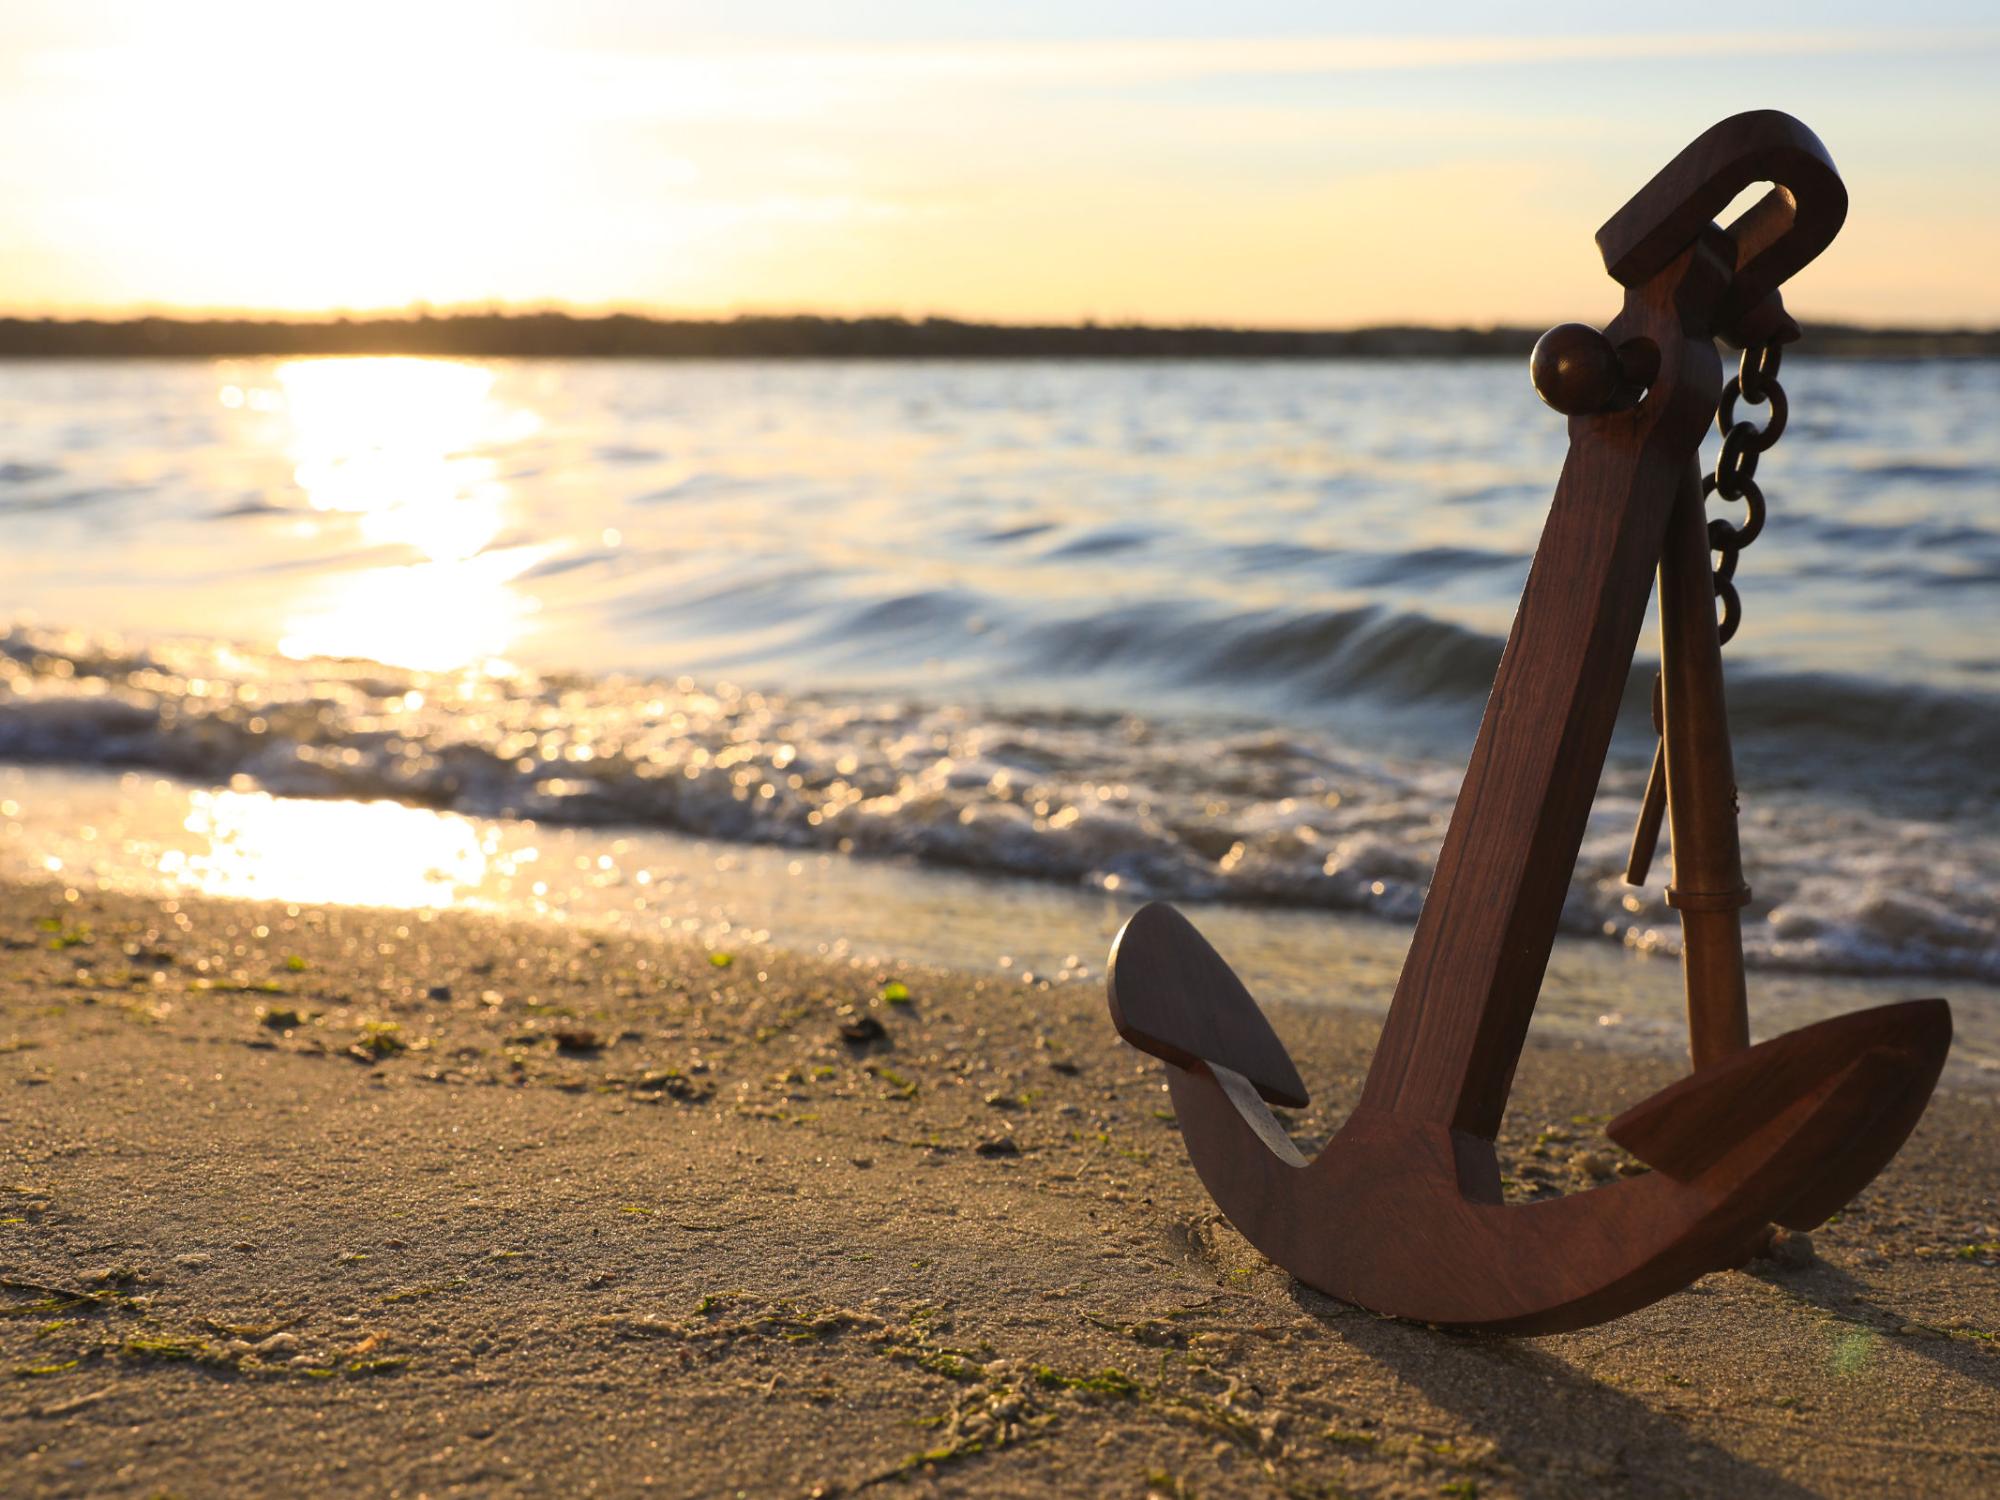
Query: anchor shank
x=1468 y=987
x=1475 y=965
x=1708 y=888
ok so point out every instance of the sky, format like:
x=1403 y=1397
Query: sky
x=1261 y=162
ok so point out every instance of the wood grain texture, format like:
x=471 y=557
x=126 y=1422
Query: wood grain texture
x=1483 y=938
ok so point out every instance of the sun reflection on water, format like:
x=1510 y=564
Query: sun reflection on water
x=256 y=846
x=434 y=617
x=405 y=451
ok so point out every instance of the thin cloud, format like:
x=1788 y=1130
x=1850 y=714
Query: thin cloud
x=1154 y=59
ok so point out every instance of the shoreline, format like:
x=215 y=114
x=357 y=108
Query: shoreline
x=407 y=1201
x=160 y=838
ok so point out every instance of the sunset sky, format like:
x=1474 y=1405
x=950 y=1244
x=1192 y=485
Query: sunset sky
x=1257 y=162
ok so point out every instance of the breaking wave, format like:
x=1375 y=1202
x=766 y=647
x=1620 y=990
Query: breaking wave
x=1190 y=807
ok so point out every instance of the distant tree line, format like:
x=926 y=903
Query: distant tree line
x=556 y=335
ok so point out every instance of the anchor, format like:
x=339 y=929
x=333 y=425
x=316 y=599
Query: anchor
x=1402 y=1212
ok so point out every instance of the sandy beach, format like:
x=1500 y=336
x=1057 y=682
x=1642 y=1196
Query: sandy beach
x=424 y=1204
x=606 y=611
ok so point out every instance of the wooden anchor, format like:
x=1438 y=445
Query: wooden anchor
x=1402 y=1211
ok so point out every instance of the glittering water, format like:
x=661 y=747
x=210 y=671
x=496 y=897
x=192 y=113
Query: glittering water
x=1207 y=630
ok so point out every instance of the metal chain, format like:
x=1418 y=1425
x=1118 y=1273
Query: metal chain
x=1735 y=478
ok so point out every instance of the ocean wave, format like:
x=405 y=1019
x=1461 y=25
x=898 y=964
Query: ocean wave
x=1917 y=739
x=1183 y=808
x=1309 y=656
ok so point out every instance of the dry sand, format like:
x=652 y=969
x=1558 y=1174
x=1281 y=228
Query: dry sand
x=361 y=1202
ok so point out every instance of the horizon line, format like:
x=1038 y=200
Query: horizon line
x=421 y=312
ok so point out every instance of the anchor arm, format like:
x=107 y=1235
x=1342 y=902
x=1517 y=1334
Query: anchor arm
x=1787 y=1131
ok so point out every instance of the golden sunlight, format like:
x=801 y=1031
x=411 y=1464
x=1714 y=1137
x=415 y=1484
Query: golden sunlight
x=366 y=853
x=405 y=449
x=394 y=441
x=434 y=617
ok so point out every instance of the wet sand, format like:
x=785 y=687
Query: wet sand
x=328 y=1199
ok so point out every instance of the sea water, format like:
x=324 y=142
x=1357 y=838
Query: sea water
x=1218 y=632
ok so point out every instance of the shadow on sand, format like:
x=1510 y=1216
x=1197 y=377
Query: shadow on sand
x=1558 y=1428
x=1852 y=1301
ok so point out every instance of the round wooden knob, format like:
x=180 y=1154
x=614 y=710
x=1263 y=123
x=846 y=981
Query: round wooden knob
x=1576 y=370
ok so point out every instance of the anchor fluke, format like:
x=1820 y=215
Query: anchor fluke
x=1173 y=996
x=1870 y=1074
